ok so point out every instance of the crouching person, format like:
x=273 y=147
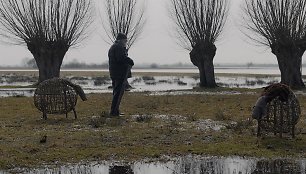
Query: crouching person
x=260 y=108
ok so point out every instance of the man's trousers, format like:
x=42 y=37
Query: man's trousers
x=118 y=91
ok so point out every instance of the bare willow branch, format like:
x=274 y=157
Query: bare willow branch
x=26 y=21
x=198 y=21
x=123 y=16
x=276 y=22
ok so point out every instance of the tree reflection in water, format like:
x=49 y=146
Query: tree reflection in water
x=186 y=165
x=120 y=170
x=214 y=165
x=239 y=166
x=279 y=166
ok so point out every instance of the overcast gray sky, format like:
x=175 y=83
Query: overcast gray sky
x=156 y=44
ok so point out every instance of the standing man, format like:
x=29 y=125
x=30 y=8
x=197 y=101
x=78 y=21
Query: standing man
x=119 y=68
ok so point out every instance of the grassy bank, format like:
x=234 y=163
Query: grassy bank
x=152 y=127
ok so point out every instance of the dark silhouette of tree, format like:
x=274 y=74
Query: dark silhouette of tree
x=280 y=25
x=124 y=16
x=198 y=24
x=48 y=28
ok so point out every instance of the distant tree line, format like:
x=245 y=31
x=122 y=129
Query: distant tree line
x=82 y=65
x=30 y=63
x=74 y=64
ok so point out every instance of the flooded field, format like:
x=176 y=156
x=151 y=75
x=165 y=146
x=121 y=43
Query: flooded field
x=185 y=165
x=172 y=79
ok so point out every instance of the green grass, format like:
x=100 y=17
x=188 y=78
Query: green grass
x=93 y=136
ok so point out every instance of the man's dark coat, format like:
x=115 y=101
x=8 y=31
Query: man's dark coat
x=119 y=62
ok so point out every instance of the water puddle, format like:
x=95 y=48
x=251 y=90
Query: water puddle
x=165 y=93
x=184 y=165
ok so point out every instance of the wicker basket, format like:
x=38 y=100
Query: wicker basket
x=282 y=115
x=55 y=96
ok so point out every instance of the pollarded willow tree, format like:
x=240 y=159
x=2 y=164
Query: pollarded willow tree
x=281 y=26
x=199 y=23
x=124 y=16
x=48 y=28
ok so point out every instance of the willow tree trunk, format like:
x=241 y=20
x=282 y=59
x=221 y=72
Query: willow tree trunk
x=49 y=59
x=202 y=56
x=290 y=64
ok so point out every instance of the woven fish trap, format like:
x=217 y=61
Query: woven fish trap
x=282 y=115
x=55 y=96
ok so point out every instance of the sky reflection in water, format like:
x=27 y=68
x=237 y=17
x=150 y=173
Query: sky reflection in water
x=188 y=165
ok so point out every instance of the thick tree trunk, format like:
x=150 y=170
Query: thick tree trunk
x=49 y=58
x=203 y=81
x=290 y=69
x=290 y=63
x=48 y=66
x=202 y=56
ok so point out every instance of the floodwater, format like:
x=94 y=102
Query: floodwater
x=185 y=165
x=150 y=83
x=144 y=84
